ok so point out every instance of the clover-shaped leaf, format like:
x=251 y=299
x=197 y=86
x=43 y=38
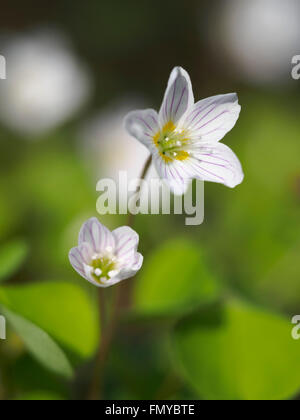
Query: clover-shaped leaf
x=175 y=279
x=40 y=344
x=239 y=352
x=63 y=310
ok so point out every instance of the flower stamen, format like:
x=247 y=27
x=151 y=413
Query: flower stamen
x=172 y=143
x=105 y=265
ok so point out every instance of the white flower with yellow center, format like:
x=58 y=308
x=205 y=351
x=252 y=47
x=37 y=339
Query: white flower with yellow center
x=184 y=137
x=105 y=258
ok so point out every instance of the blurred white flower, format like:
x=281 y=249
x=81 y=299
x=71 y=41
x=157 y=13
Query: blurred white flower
x=184 y=136
x=261 y=36
x=109 y=149
x=105 y=258
x=46 y=84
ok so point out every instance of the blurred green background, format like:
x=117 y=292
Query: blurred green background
x=210 y=313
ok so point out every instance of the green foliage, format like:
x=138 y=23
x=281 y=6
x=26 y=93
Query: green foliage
x=175 y=278
x=259 y=220
x=9 y=217
x=281 y=284
x=56 y=191
x=40 y=344
x=50 y=174
x=29 y=376
x=12 y=256
x=63 y=310
x=39 y=396
x=236 y=351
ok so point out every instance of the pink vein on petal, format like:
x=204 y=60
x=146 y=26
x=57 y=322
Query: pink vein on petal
x=172 y=103
x=211 y=173
x=145 y=123
x=213 y=119
x=183 y=92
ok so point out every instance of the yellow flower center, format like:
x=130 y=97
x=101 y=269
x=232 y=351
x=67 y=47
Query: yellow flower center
x=170 y=143
x=103 y=267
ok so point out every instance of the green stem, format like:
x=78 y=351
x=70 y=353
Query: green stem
x=146 y=168
x=109 y=326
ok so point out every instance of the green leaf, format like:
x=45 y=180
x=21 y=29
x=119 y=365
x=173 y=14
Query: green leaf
x=12 y=256
x=271 y=228
x=174 y=278
x=281 y=284
x=238 y=352
x=40 y=396
x=40 y=344
x=63 y=310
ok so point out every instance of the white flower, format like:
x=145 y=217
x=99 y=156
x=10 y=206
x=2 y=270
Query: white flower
x=184 y=137
x=105 y=258
x=102 y=135
x=46 y=84
x=260 y=36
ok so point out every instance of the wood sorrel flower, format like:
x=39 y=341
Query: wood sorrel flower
x=105 y=258
x=184 y=137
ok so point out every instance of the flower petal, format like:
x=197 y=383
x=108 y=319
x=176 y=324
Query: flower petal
x=213 y=117
x=80 y=256
x=174 y=174
x=130 y=271
x=139 y=259
x=216 y=162
x=127 y=241
x=178 y=97
x=143 y=125
x=97 y=235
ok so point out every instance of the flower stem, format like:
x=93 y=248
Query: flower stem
x=147 y=165
x=109 y=322
x=108 y=329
